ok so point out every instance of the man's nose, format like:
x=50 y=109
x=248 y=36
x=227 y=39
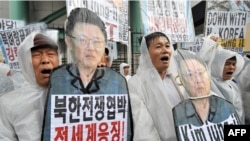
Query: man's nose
x=232 y=66
x=45 y=59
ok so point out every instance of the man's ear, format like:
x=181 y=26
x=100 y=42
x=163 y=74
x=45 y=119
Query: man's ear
x=68 y=42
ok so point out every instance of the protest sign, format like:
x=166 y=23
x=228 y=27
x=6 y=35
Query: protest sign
x=89 y=117
x=173 y=17
x=7 y=24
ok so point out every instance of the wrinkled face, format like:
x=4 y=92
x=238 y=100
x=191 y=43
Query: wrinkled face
x=88 y=45
x=44 y=60
x=229 y=69
x=195 y=78
x=126 y=70
x=160 y=53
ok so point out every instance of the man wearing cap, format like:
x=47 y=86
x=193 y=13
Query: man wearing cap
x=22 y=110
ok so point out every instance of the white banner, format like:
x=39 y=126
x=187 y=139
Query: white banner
x=89 y=117
x=207 y=132
x=230 y=19
x=194 y=46
x=230 y=26
x=7 y=24
x=174 y=17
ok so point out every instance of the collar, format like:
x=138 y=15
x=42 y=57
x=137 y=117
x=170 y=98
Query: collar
x=190 y=109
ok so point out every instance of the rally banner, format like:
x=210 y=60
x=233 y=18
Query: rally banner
x=207 y=132
x=230 y=26
x=194 y=46
x=11 y=39
x=113 y=13
x=201 y=124
x=7 y=24
x=173 y=17
x=229 y=19
x=89 y=117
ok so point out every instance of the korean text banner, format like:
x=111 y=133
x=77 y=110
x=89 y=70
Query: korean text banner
x=89 y=117
x=7 y=24
x=11 y=39
x=194 y=46
x=113 y=13
x=173 y=17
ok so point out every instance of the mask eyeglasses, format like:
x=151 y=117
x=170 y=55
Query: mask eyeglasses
x=84 y=41
x=194 y=76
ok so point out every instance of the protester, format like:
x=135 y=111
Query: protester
x=153 y=90
x=22 y=110
x=225 y=65
x=125 y=70
x=203 y=108
x=243 y=81
x=86 y=37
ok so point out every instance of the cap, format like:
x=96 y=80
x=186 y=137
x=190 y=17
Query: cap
x=42 y=40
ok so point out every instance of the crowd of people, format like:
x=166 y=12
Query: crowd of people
x=170 y=89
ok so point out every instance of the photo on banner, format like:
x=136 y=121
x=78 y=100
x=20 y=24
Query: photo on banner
x=114 y=14
x=90 y=102
x=203 y=114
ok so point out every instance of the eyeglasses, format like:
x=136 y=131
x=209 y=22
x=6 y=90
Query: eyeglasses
x=84 y=41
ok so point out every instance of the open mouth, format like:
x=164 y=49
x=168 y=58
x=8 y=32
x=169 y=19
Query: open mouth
x=164 y=58
x=46 y=71
x=229 y=73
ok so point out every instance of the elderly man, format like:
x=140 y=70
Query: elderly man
x=22 y=110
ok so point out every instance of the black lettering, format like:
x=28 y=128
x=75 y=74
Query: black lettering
x=200 y=135
x=217 y=18
x=238 y=18
x=184 y=132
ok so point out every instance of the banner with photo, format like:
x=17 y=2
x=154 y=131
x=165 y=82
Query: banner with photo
x=7 y=24
x=11 y=39
x=230 y=20
x=174 y=17
x=113 y=13
x=89 y=117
